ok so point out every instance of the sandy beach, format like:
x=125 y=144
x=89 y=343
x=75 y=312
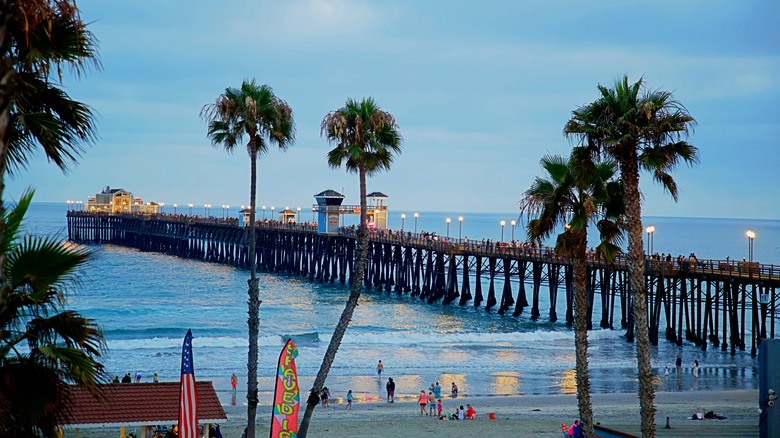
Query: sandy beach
x=517 y=416
x=531 y=416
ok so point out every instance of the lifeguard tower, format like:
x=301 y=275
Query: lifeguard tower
x=328 y=210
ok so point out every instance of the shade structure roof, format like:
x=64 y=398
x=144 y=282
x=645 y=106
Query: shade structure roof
x=376 y=195
x=329 y=193
x=140 y=404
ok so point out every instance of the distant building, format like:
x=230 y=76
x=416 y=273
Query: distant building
x=119 y=201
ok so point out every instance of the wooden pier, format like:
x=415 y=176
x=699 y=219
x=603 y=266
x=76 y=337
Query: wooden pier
x=706 y=302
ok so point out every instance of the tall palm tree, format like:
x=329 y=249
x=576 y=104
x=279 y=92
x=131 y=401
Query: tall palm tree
x=366 y=140
x=255 y=112
x=43 y=348
x=577 y=192
x=639 y=129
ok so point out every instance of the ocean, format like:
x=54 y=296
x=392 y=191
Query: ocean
x=145 y=303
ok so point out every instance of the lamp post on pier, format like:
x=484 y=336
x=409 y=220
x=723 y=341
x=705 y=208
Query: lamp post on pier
x=272 y=212
x=299 y=215
x=162 y=207
x=174 y=207
x=460 y=226
x=190 y=205
x=513 y=223
x=403 y=219
x=448 y=228
x=750 y=235
x=264 y=212
x=650 y=232
x=416 y=215
x=502 y=230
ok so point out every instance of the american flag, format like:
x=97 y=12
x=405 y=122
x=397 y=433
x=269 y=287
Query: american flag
x=188 y=397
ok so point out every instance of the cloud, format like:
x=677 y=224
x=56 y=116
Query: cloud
x=318 y=22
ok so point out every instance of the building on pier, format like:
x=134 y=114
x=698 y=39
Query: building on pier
x=376 y=206
x=329 y=209
x=288 y=216
x=119 y=201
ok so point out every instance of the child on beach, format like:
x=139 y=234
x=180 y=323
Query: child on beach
x=349 y=399
x=438 y=407
x=454 y=390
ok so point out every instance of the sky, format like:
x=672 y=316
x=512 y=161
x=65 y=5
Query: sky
x=480 y=90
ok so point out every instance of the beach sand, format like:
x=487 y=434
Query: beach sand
x=517 y=416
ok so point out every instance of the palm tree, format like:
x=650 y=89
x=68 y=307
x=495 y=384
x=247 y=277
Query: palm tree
x=43 y=348
x=255 y=112
x=366 y=140
x=38 y=39
x=577 y=192
x=640 y=130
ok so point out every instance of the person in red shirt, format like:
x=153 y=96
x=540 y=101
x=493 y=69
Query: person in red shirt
x=471 y=414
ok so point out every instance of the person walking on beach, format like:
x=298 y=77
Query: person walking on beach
x=454 y=390
x=678 y=363
x=379 y=369
x=431 y=403
x=695 y=368
x=349 y=399
x=155 y=378
x=324 y=396
x=390 y=390
x=422 y=400
x=574 y=430
x=233 y=382
x=437 y=391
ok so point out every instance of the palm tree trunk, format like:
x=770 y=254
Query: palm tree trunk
x=636 y=271
x=346 y=315
x=253 y=301
x=581 y=332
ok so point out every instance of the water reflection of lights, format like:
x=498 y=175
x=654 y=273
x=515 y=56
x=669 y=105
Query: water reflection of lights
x=568 y=382
x=508 y=355
x=459 y=379
x=506 y=383
x=452 y=356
